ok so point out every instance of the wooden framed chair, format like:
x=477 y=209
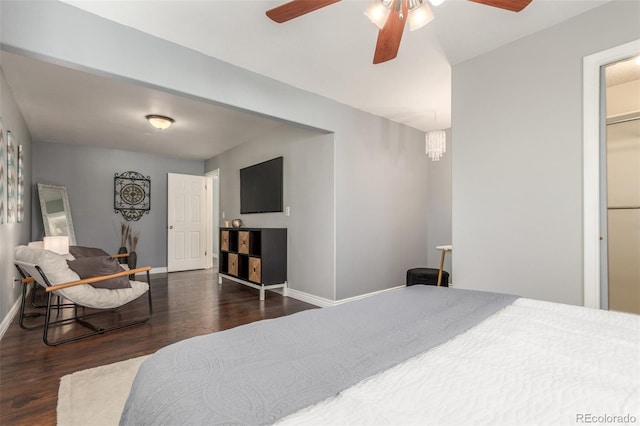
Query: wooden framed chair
x=51 y=271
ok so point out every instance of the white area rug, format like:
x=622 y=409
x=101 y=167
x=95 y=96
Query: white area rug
x=96 y=397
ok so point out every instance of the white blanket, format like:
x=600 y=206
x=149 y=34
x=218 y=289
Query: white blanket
x=533 y=363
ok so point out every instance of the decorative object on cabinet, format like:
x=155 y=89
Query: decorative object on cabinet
x=1 y=172
x=56 y=213
x=20 y=199
x=236 y=223
x=256 y=257
x=11 y=178
x=132 y=195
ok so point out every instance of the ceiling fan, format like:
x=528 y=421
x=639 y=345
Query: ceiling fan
x=388 y=15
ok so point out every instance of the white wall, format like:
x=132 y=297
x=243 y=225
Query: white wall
x=381 y=202
x=517 y=168
x=308 y=190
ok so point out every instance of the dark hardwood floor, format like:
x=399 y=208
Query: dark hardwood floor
x=185 y=304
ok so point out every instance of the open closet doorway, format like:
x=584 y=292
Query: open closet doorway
x=594 y=191
x=620 y=158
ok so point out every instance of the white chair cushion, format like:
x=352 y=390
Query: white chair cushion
x=57 y=270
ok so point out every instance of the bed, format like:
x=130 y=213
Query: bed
x=417 y=355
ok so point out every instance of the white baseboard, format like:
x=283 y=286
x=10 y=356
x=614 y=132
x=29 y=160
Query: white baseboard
x=324 y=303
x=6 y=322
x=362 y=296
x=158 y=270
x=309 y=298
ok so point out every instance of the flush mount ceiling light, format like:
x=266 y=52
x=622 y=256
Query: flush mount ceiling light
x=160 y=122
x=388 y=16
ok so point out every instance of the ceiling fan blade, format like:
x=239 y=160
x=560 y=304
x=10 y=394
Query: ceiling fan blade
x=296 y=8
x=512 y=5
x=390 y=35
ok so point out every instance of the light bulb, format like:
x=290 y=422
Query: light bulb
x=378 y=13
x=160 y=122
x=420 y=16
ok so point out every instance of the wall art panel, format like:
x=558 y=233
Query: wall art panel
x=20 y=188
x=2 y=177
x=11 y=178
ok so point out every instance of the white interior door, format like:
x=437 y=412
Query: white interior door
x=186 y=222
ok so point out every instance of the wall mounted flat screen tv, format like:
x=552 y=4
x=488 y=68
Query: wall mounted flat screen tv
x=261 y=187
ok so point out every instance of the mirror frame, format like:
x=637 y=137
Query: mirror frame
x=67 y=210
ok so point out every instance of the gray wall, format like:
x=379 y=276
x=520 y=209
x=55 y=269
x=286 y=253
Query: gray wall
x=439 y=207
x=13 y=234
x=517 y=168
x=381 y=200
x=380 y=168
x=88 y=175
x=308 y=190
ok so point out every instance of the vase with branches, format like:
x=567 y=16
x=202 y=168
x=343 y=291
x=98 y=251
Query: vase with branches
x=132 y=260
x=125 y=231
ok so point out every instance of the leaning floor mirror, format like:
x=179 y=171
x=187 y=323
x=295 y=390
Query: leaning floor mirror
x=56 y=214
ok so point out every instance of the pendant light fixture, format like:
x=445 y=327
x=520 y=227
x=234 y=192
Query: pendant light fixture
x=436 y=144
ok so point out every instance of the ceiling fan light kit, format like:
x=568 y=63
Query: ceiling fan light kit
x=420 y=13
x=420 y=16
x=378 y=12
x=388 y=16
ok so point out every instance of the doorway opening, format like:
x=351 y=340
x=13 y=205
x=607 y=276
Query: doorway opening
x=594 y=129
x=620 y=158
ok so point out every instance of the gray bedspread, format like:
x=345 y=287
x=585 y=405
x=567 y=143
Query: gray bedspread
x=260 y=372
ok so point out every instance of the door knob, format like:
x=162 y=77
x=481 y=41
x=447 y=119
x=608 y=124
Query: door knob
x=171 y=227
